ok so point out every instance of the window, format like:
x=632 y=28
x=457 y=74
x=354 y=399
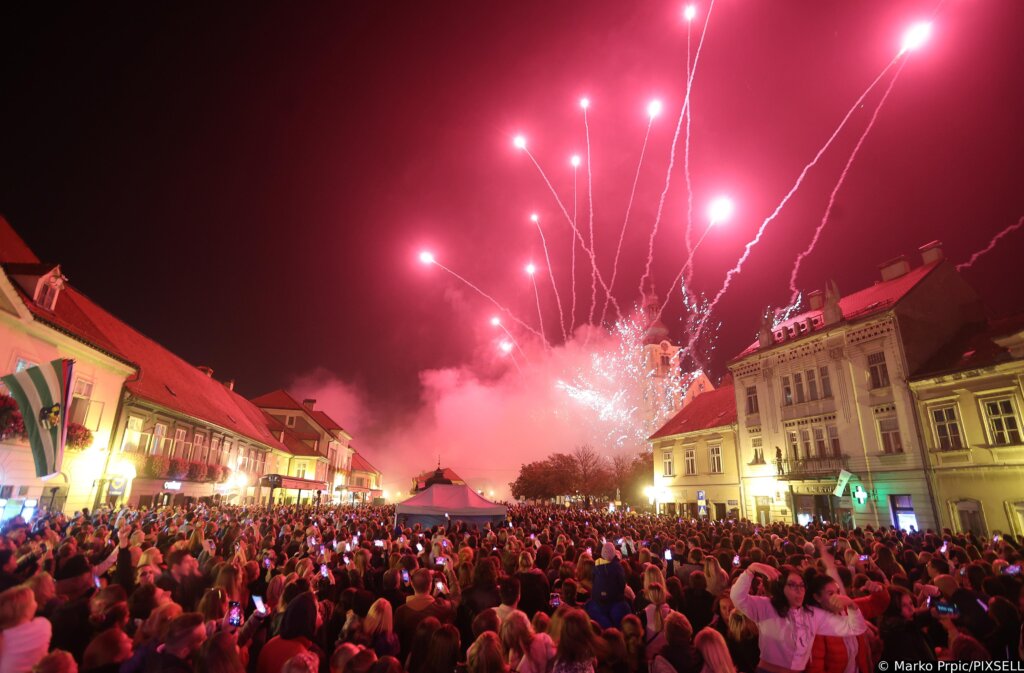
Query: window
x=229 y=454
x=889 y=431
x=752 y=406
x=833 y=440
x=300 y=470
x=805 y=442
x=812 y=385
x=198 y=453
x=21 y=364
x=820 y=445
x=757 y=443
x=668 y=468
x=902 y=508
x=80 y=402
x=1002 y=421
x=215 y=458
x=691 y=461
x=159 y=435
x=787 y=391
x=289 y=421
x=798 y=386
x=48 y=295
x=715 y=452
x=878 y=369
x=826 y=386
x=947 y=428
x=794 y=445
x=132 y=435
x=179 y=443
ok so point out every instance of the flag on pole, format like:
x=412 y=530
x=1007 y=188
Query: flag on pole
x=43 y=394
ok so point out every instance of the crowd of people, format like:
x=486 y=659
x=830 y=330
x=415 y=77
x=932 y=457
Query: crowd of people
x=292 y=589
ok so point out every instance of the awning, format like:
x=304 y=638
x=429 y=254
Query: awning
x=281 y=481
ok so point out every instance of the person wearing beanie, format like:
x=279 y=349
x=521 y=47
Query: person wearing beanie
x=607 y=605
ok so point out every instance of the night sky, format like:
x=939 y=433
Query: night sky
x=251 y=187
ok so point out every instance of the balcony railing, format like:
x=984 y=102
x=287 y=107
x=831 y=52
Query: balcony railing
x=817 y=466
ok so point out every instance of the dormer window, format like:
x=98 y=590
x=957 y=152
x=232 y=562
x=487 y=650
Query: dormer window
x=47 y=290
x=289 y=421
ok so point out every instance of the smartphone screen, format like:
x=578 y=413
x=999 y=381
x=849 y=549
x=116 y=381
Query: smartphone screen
x=323 y=569
x=378 y=543
x=668 y=554
x=440 y=586
x=419 y=547
x=736 y=560
x=441 y=560
x=234 y=613
x=554 y=600
x=405 y=575
x=96 y=581
x=864 y=557
x=258 y=602
x=266 y=562
x=1012 y=570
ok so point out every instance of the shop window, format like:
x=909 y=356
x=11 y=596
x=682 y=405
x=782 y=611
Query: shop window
x=902 y=509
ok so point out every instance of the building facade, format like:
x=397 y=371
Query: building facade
x=825 y=394
x=969 y=402
x=33 y=332
x=696 y=463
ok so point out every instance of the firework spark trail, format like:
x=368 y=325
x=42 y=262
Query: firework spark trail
x=839 y=183
x=629 y=207
x=682 y=278
x=575 y=230
x=590 y=196
x=490 y=299
x=800 y=178
x=511 y=338
x=990 y=246
x=554 y=285
x=572 y=315
x=536 y=293
x=672 y=154
x=686 y=164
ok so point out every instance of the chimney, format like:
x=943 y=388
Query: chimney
x=816 y=299
x=230 y=384
x=894 y=268
x=931 y=252
x=206 y=370
x=309 y=403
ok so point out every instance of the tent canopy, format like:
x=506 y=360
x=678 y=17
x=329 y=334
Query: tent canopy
x=459 y=501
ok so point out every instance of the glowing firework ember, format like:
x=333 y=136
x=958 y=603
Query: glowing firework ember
x=916 y=36
x=690 y=12
x=426 y=257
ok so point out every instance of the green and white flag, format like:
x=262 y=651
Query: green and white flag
x=43 y=394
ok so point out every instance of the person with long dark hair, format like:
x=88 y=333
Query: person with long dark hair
x=786 y=627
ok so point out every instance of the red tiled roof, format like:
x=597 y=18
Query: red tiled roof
x=361 y=464
x=449 y=474
x=281 y=399
x=163 y=377
x=972 y=347
x=277 y=399
x=711 y=409
x=880 y=297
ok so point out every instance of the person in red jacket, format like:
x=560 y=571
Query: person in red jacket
x=835 y=654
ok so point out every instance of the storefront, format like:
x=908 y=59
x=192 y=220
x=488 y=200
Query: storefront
x=816 y=503
x=285 y=490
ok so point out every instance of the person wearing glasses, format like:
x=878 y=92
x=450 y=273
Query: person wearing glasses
x=786 y=625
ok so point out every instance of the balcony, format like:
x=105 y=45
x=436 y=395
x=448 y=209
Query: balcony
x=811 y=468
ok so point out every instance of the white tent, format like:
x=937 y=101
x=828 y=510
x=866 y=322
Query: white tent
x=459 y=502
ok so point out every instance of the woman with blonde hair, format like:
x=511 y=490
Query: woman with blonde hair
x=484 y=655
x=378 y=630
x=45 y=591
x=653 y=618
x=231 y=580
x=715 y=652
x=25 y=638
x=741 y=637
x=718 y=579
x=527 y=651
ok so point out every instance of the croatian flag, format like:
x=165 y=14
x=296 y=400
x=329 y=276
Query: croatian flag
x=43 y=394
